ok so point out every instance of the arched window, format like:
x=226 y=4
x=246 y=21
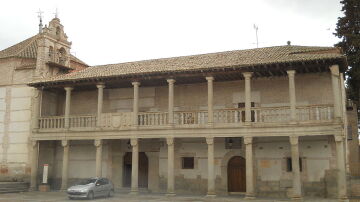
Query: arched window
x=57 y=31
x=51 y=53
x=62 y=56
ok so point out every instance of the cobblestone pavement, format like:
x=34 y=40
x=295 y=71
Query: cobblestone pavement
x=61 y=196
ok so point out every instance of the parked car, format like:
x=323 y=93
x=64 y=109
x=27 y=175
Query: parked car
x=90 y=188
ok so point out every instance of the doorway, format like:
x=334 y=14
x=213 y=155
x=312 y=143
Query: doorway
x=236 y=171
x=143 y=170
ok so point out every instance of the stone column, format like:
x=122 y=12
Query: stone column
x=98 y=145
x=294 y=141
x=34 y=164
x=67 y=105
x=36 y=108
x=171 y=102
x=292 y=95
x=247 y=76
x=211 y=164
x=341 y=177
x=210 y=85
x=136 y=103
x=249 y=168
x=170 y=177
x=336 y=90
x=134 y=166
x=65 y=165
x=100 y=102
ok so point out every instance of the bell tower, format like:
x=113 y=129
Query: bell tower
x=53 y=53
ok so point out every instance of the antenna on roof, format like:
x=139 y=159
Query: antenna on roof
x=256 y=31
x=40 y=18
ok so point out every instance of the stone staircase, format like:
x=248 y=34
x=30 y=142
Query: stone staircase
x=13 y=187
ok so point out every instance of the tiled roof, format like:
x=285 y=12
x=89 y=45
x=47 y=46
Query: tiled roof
x=236 y=59
x=28 y=49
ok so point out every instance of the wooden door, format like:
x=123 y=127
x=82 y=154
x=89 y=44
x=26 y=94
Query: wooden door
x=143 y=170
x=236 y=174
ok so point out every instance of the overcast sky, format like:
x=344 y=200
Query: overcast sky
x=104 y=32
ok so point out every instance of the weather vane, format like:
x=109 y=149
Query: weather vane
x=256 y=31
x=40 y=18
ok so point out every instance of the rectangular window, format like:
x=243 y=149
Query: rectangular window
x=187 y=162
x=289 y=164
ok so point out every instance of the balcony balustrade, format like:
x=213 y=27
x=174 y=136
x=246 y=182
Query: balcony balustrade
x=123 y=120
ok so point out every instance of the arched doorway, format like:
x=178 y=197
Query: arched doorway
x=143 y=170
x=236 y=174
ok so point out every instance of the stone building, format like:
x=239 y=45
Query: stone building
x=259 y=122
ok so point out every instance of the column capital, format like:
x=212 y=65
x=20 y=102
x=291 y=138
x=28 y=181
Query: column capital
x=64 y=143
x=134 y=142
x=248 y=140
x=291 y=72
x=339 y=138
x=135 y=83
x=334 y=70
x=98 y=142
x=69 y=88
x=247 y=75
x=100 y=85
x=170 y=141
x=170 y=81
x=294 y=140
x=209 y=78
x=209 y=140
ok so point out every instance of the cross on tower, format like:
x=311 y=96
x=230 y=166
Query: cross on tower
x=56 y=13
x=40 y=14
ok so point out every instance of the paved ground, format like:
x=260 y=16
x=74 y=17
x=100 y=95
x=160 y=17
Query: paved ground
x=61 y=196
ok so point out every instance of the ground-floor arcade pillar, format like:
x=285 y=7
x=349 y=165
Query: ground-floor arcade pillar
x=170 y=177
x=295 y=162
x=65 y=164
x=34 y=164
x=340 y=158
x=211 y=174
x=249 y=168
x=134 y=166
x=98 y=164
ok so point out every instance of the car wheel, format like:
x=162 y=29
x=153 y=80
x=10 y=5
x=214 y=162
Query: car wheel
x=71 y=198
x=90 y=195
x=111 y=193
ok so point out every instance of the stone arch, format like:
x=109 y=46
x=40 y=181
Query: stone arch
x=224 y=164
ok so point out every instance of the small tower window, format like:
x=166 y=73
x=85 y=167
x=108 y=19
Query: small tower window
x=57 y=31
x=51 y=53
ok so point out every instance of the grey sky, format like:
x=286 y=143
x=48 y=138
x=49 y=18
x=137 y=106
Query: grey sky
x=109 y=31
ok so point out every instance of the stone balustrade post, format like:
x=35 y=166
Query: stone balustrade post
x=171 y=102
x=210 y=84
x=98 y=144
x=211 y=165
x=136 y=103
x=247 y=76
x=340 y=159
x=292 y=95
x=336 y=90
x=65 y=164
x=295 y=162
x=170 y=177
x=134 y=166
x=250 y=193
x=34 y=164
x=100 y=103
x=67 y=106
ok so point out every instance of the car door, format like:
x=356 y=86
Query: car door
x=98 y=188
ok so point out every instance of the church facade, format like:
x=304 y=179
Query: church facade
x=259 y=122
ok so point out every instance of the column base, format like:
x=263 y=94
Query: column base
x=296 y=198
x=247 y=123
x=211 y=195
x=134 y=192
x=170 y=194
x=248 y=197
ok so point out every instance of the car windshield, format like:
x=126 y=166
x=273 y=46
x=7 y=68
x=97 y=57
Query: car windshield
x=87 y=181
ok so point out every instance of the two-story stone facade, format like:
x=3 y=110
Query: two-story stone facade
x=259 y=122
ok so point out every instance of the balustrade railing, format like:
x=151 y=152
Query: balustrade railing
x=199 y=117
x=190 y=117
x=152 y=118
x=82 y=121
x=52 y=122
